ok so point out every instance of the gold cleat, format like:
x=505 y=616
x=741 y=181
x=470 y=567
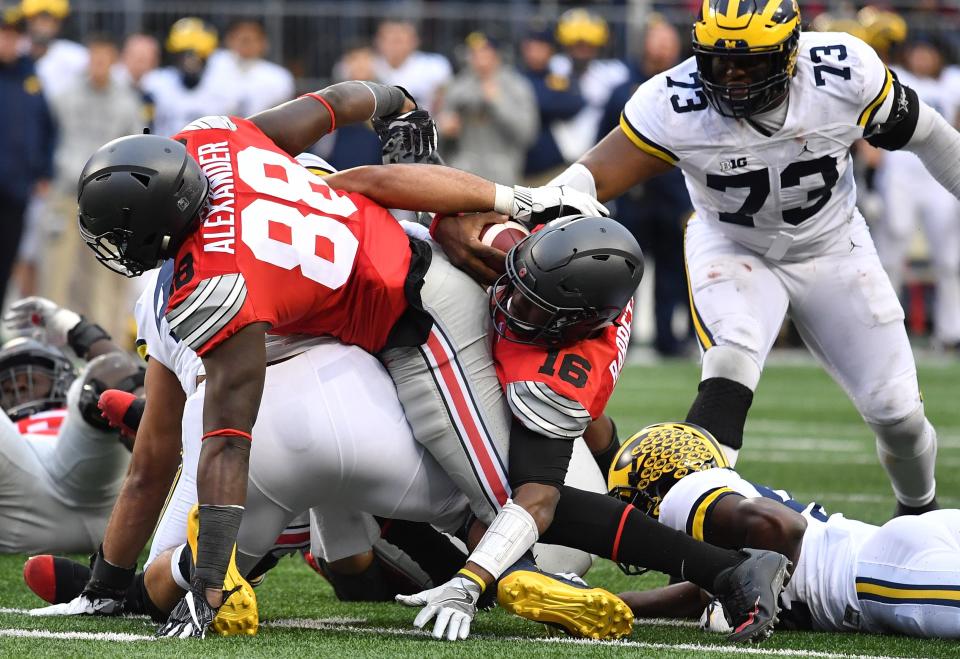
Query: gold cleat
x=238 y=616
x=582 y=611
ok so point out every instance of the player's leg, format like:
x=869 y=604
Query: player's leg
x=849 y=316
x=737 y=306
x=941 y=223
x=908 y=577
x=449 y=388
x=171 y=529
x=32 y=518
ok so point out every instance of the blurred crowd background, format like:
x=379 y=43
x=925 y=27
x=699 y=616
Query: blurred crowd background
x=519 y=89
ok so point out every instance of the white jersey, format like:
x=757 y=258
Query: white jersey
x=824 y=577
x=782 y=195
x=156 y=340
x=176 y=105
x=62 y=66
x=576 y=135
x=261 y=84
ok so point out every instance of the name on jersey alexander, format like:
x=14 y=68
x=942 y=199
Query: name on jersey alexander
x=218 y=228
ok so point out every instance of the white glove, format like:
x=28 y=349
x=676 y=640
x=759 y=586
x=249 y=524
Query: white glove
x=454 y=603
x=81 y=605
x=714 y=619
x=32 y=315
x=534 y=206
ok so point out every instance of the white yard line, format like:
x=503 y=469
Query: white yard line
x=75 y=636
x=347 y=625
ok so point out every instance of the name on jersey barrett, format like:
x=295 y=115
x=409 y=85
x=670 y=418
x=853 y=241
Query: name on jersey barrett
x=218 y=230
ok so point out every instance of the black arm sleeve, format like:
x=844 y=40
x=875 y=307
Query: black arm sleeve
x=536 y=458
x=896 y=131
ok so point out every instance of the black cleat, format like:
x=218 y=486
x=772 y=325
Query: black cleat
x=903 y=509
x=750 y=594
x=55 y=579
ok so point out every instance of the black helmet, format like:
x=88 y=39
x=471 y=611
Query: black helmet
x=33 y=377
x=139 y=197
x=577 y=275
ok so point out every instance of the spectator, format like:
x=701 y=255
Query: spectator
x=491 y=113
x=656 y=211
x=558 y=99
x=189 y=89
x=26 y=142
x=140 y=56
x=261 y=84
x=584 y=35
x=400 y=63
x=95 y=110
x=60 y=62
x=357 y=144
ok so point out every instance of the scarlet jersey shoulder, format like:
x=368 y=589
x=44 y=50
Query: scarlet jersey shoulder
x=557 y=393
x=277 y=245
x=43 y=423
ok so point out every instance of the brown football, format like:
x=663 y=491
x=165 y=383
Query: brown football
x=503 y=236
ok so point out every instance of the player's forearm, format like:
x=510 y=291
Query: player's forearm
x=617 y=165
x=937 y=144
x=430 y=188
x=682 y=600
x=138 y=508
x=298 y=124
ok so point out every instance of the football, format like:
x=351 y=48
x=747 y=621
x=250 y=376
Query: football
x=503 y=236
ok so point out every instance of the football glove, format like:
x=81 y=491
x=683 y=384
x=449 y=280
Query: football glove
x=454 y=604
x=408 y=138
x=714 y=619
x=39 y=317
x=192 y=615
x=534 y=206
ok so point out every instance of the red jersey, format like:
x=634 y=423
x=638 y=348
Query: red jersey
x=276 y=244
x=558 y=392
x=43 y=423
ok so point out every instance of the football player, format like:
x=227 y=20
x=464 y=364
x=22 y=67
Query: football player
x=330 y=436
x=849 y=576
x=277 y=249
x=760 y=120
x=189 y=88
x=562 y=316
x=60 y=463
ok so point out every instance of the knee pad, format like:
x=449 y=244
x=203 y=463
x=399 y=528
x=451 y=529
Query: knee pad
x=906 y=438
x=732 y=364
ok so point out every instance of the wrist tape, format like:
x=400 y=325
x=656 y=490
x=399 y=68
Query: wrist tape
x=218 y=535
x=512 y=533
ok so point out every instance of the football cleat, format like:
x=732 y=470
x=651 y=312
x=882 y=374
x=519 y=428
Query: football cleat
x=750 y=594
x=55 y=579
x=582 y=611
x=238 y=615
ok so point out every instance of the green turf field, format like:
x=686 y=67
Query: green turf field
x=803 y=435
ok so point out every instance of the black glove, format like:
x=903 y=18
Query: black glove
x=192 y=615
x=407 y=138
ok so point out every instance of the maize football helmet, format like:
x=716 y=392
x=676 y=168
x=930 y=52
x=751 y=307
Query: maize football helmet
x=192 y=34
x=884 y=29
x=656 y=458
x=582 y=26
x=746 y=53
